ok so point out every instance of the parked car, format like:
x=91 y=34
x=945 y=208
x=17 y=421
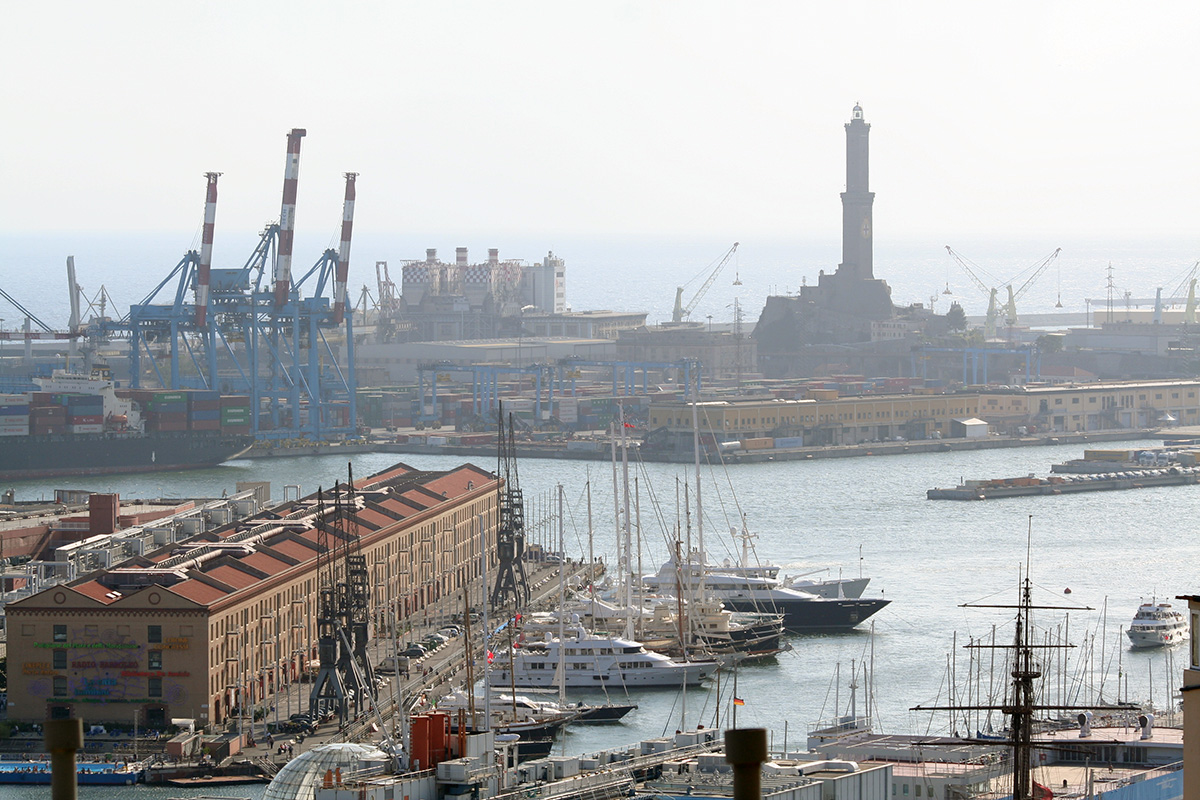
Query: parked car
x=450 y=631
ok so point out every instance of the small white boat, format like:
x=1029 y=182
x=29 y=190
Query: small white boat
x=1157 y=625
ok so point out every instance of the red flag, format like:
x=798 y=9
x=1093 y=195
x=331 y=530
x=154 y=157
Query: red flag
x=630 y=425
x=737 y=701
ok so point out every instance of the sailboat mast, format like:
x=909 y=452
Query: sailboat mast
x=696 y=461
x=628 y=526
x=591 y=552
x=562 y=599
x=487 y=633
x=637 y=505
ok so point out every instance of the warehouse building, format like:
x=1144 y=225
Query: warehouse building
x=205 y=625
x=825 y=418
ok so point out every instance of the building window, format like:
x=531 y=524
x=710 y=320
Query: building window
x=155 y=661
x=60 y=633
x=60 y=659
x=918 y=790
x=155 y=687
x=60 y=686
x=154 y=634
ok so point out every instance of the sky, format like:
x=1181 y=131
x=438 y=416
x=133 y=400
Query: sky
x=605 y=119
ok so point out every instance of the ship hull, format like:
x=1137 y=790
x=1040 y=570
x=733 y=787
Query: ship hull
x=808 y=616
x=49 y=456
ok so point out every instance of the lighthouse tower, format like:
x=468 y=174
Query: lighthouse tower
x=857 y=201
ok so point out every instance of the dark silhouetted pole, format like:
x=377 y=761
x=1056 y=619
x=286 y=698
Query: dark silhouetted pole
x=64 y=738
x=746 y=750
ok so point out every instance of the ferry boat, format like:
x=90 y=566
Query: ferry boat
x=87 y=773
x=1157 y=625
x=593 y=661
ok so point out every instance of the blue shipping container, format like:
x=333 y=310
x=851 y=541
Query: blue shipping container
x=14 y=411
x=205 y=413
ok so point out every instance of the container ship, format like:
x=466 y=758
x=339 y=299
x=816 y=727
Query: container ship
x=84 y=425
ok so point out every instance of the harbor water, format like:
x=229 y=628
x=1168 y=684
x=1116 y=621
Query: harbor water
x=1112 y=550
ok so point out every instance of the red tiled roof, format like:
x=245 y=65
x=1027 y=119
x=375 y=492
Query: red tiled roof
x=419 y=499
x=373 y=517
x=264 y=562
x=199 y=591
x=400 y=506
x=290 y=547
x=232 y=576
x=96 y=591
x=391 y=474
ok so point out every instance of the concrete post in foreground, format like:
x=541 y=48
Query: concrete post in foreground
x=64 y=737
x=746 y=750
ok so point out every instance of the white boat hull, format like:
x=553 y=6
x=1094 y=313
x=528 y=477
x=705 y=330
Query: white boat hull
x=692 y=674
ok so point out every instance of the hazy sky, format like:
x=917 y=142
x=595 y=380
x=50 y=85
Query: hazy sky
x=614 y=118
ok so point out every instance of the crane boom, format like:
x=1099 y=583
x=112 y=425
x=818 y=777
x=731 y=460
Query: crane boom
x=1038 y=269
x=681 y=311
x=966 y=267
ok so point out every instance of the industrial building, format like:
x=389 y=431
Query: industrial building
x=824 y=418
x=213 y=623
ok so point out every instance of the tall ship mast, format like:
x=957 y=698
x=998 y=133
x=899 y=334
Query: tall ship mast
x=1020 y=704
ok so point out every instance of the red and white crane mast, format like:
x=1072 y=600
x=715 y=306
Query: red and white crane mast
x=343 y=263
x=287 y=218
x=204 y=270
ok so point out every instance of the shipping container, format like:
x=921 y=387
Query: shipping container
x=14 y=411
x=78 y=429
x=758 y=444
x=789 y=441
x=205 y=425
x=85 y=419
x=159 y=425
x=205 y=414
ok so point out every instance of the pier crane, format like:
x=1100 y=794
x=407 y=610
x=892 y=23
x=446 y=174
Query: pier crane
x=1009 y=308
x=1184 y=294
x=682 y=312
x=254 y=330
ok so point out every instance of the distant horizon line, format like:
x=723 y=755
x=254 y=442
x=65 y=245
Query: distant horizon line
x=812 y=237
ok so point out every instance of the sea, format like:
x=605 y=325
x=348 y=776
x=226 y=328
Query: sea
x=936 y=561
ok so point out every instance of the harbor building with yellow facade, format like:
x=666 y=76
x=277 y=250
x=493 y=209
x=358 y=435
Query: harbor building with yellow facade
x=212 y=623
x=823 y=417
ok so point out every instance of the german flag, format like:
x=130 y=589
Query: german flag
x=737 y=701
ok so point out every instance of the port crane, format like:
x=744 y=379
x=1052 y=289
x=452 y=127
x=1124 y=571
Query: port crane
x=681 y=311
x=1009 y=307
x=1178 y=296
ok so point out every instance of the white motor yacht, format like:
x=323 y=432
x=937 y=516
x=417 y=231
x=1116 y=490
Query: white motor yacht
x=1157 y=625
x=592 y=661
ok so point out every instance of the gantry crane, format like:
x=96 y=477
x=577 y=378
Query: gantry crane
x=681 y=311
x=1010 y=306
